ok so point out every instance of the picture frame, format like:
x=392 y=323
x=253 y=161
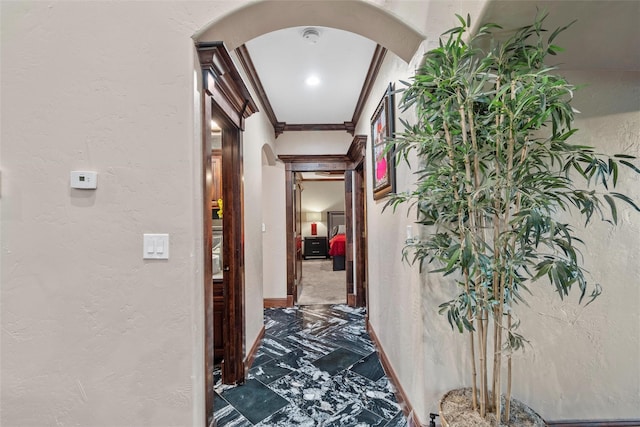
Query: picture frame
x=383 y=162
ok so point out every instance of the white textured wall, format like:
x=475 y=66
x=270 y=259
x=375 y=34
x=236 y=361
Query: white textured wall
x=257 y=137
x=274 y=238
x=257 y=133
x=313 y=142
x=92 y=334
x=583 y=362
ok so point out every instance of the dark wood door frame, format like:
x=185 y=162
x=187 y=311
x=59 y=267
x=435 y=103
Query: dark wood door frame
x=225 y=97
x=353 y=165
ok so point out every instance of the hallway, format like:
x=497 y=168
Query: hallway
x=316 y=366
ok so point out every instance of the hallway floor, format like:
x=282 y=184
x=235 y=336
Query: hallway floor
x=316 y=366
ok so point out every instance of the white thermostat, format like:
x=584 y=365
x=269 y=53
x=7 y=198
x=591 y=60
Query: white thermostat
x=85 y=180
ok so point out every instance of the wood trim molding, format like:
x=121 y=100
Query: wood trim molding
x=358 y=149
x=290 y=182
x=247 y=63
x=322 y=179
x=346 y=126
x=276 y=302
x=312 y=158
x=595 y=423
x=401 y=395
x=372 y=74
x=226 y=98
x=351 y=300
x=224 y=82
x=348 y=219
x=205 y=105
x=251 y=356
x=316 y=163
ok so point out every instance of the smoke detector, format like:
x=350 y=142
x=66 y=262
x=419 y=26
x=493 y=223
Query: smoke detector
x=311 y=35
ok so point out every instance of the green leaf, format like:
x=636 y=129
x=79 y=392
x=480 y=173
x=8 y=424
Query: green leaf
x=626 y=199
x=612 y=205
x=630 y=165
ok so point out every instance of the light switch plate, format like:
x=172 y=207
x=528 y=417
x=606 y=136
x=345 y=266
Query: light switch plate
x=155 y=246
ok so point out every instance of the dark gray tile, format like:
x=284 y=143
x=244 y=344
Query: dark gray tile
x=398 y=421
x=275 y=347
x=298 y=359
x=336 y=361
x=279 y=329
x=383 y=407
x=316 y=366
x=254 y=400
x=369 y=367
x=218 y=402
x=229 y=417
x=288 y=416
x=352 y=337
x=270 y=371
x=261 y=358
x=313 y=345
x=354 y=415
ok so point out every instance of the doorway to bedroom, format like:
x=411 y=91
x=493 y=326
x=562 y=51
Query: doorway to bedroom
x=323 y=276
x=344 y=247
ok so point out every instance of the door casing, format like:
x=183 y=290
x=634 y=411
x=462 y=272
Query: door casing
x=225 y=97
x=353 y=165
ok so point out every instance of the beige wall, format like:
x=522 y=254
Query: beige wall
x=313 y=142
x=274 y=241
x=93 y=335
x=583 y=362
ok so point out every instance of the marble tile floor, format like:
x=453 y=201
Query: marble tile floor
x=316 y=366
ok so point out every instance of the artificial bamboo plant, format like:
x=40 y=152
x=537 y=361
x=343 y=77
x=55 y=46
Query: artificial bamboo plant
x=495 y=169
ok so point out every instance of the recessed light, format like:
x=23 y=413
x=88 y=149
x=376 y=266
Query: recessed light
x=312 y=80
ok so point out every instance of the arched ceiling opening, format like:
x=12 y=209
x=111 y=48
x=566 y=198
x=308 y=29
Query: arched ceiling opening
x=354 y=37
x=356 y=16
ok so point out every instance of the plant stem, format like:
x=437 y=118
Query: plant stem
x=507 y=407
x=479 y=229
x=507 y=217
x=454 y=180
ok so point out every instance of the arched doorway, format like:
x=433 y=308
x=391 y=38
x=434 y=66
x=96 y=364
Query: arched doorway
x=234 y=29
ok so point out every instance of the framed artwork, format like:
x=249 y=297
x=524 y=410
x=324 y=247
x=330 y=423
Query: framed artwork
x=382 y=128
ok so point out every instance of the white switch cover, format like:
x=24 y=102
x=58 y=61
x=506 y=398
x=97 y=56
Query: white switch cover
x=156 y=246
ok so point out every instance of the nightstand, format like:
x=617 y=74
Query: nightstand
x=315 y=247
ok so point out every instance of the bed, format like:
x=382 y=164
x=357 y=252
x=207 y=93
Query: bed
x=337 y=247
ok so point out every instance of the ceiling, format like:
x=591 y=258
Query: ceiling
x=338 y=59
x=605 y=36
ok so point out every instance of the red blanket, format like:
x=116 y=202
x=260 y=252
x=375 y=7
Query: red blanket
x=337 y=245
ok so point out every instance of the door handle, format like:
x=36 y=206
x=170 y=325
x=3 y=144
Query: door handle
x=226 y=268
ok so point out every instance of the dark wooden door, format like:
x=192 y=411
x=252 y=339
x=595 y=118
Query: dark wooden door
x=297 y=214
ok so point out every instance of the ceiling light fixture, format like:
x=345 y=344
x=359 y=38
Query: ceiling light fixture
x=312 y=80
x=311 y=35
